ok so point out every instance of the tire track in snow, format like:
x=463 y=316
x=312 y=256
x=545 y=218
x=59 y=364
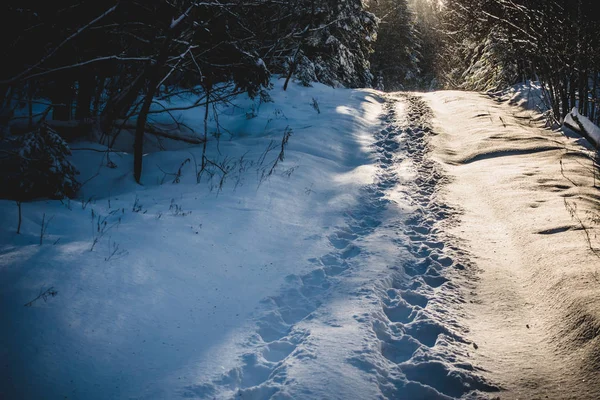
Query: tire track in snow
x=413 y=348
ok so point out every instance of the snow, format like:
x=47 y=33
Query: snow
x=350 y=272
x=193 y=262
x=528 y=200
x=578 y=122
x=528 y=95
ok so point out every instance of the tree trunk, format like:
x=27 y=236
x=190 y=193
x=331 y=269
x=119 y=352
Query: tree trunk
x=62 y=97
x=594 y=97
x=85 y=93
x=292 y=68
x=118 y=105
x=572 y=92
x=20 y=218
x=564 y=97
x=100 y=86
x=154 y=78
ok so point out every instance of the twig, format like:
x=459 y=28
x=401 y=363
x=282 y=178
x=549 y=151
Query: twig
x=562 y=172
x=20 y=218
x=115 y=253
x=573 y=212
x=44 y=227
x=44 y=294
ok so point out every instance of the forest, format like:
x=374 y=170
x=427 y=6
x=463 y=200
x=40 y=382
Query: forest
x=100 y=65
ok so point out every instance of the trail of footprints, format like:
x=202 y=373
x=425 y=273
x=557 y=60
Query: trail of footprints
x=420 y=346
x=423 y=344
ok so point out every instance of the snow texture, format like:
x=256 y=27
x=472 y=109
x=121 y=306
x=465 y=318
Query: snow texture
x=528 y=203
x=343 y=275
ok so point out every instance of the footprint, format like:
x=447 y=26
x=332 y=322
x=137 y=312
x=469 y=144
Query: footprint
x=418 y=391
x=350 y=252
x=272 y=327
x=338 y=242
x=434 y=281
x=334 y=270
x=315 y=278
x=346 y=234
x=414 y=298
x=434 y=245
x=424 y=230
x=445 y=261
x=399 y=312
x=426 y=331
x=399 y=350
x=416 y=238
x=253 y=372
x=416 y=268
x=277 y=351
x=449 y=381
x=421 y=251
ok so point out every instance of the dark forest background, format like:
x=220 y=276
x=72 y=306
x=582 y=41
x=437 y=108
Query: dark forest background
x=101 y=64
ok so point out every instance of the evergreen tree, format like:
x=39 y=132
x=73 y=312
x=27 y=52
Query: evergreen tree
x=493 y=43
x=396 y=57
x=323 y=41
x=427 y=15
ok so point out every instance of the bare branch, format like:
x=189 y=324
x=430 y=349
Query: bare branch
x=46 y=57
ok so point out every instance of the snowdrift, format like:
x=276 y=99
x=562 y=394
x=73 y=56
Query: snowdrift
x=133 y=283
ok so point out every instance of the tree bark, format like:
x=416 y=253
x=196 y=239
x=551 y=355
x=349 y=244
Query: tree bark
x=63 y=98
x=154 y=78
x=85 y=92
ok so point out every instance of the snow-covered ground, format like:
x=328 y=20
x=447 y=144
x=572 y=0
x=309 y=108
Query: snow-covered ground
x=349 y=273
x=529 y=220
x=192 y=263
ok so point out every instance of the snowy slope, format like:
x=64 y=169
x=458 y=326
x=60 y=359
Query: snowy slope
x=191 y=263
x=582 y=124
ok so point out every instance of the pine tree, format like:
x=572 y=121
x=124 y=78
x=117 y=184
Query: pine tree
x=330 y=42
x=396 y=56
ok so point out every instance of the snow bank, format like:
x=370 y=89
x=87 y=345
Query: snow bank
x=582 y=124
x=529 y=95
x=140 y=283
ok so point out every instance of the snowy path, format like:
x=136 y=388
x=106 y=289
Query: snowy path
x=411 y=246
x=371 y=320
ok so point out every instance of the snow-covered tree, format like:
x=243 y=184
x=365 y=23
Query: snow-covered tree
x=322 y=41
x=494 y=43
x=427 y=20
x=396 y=57
x=36 y=165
